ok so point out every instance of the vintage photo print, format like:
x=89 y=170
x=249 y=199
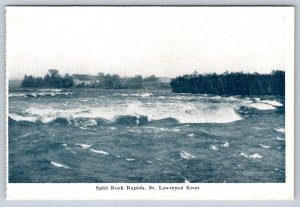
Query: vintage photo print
x=150 y=102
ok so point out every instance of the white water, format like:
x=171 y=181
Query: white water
x=253 y=156
x=177 y=107
x=56 y=164
x=99 y=151
x=214 y=147
x=85 y=146
x=186 y=155
x=226 y=144
x=130 y=159
x=262 y=106
x=265 y=146
x=282 y=130
x=184 y=113
x=273 y=102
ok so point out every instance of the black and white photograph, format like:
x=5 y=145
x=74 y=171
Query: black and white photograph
x=149 y=95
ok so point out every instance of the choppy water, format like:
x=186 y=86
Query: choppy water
x=116 y=136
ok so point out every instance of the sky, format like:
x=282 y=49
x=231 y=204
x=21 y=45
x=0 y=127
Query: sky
x=164 y=41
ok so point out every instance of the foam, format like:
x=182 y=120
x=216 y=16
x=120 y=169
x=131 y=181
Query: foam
x=85 y=146
x=186 y=181
x=130 y=159
x=253 y=156
x=279 y=138
x=262 y=106
x=99 y=152
x=214 y=147
x=186 y=155
x=146 y=94
x=39 y=93
x=56 y=164
x=244 y=154
x=16 y=95
x=282 y=130
x=265 y=146
x=226 y=144
x=272 y=102
x=17 y=117
x=191 y=135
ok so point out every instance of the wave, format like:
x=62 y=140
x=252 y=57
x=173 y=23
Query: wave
x=262 y=106
x=186 y=180
x=273 y=102
x=226 y=144
x=253 y=156
x=265 y=146
x=133 y=113
x=56 y=164
x=19 y=118
x=99 y=151
x=282 y=130
x=186 y=155
x=279 y=138
x=16 y=95
x=130 y=159
x=214 y=147
x=154 y=111
x=85 y=146
x=40 y=93
x=146 y=94
x=78 y=121
x=131 y=120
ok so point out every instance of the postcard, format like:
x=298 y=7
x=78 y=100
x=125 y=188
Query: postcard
x=150 y=102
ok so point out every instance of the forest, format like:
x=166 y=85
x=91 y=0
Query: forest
x=235 y=83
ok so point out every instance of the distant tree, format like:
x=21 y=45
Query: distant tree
x=134 y=82
x=101 y=80
x=47 y=79
x=53 y=72
x=116 y=80
x=55 y=79
x=67 y=81
x=151 y=78
x=28 y=81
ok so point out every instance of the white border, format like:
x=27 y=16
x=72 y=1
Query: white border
x=207 y=191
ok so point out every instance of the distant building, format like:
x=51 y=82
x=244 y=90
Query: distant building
x=84 y=79
x=164 y=80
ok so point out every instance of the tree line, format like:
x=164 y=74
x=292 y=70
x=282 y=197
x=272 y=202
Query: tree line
x=116 y=82
x=51 y=80
x=235 y=83
x=104 y=81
